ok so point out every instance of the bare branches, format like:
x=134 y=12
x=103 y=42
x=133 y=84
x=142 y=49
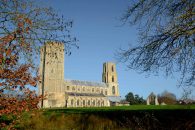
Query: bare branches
x=167 y=37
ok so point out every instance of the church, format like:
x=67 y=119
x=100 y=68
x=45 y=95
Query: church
x=74 y=93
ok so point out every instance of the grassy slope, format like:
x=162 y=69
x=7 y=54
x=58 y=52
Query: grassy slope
x=133 y=117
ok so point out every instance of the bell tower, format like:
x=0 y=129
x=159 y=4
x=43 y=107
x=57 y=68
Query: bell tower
x=51 y=73
x=109 y=76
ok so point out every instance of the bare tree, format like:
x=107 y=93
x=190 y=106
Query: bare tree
x=166 y=38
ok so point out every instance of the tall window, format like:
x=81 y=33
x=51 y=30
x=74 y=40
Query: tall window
x=83 y=102
x=72 y=102
x=112 y=78
x=105 y=79
x=105 y=69
x=92 y=89
x=88 y=102
x=77 y=102
x=68 y=87
x=113 y=89
x=112 y=68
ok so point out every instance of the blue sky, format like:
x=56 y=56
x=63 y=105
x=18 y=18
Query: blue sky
x=99 y=30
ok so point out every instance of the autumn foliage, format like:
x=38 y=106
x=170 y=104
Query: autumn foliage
x=16 y=78
x=24 y=28
x=15 y=96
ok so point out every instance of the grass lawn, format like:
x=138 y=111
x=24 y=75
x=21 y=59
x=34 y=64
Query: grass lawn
x=143 y=117
x=122 y=108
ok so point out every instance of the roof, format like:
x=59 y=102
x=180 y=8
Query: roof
x=86 y=83
x=114 y=98
x=86 y=94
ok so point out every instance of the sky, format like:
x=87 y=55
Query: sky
x=100 y=32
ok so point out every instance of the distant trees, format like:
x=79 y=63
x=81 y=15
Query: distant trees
x=24 y=27
x=166 y=38
x=167 y=97
x=134 y=99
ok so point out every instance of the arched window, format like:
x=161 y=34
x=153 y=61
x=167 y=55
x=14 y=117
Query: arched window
x=88 y=102
x=92 y=89
x=77 y=102
x=112 y=78
x=68 y=87
x=83 y=102
x=83 y=89
x=112 y=68
x=113 y=89
x=93 y=103
x=105 y=79
x=98 y=103
x=102 y=91
x=72 y=102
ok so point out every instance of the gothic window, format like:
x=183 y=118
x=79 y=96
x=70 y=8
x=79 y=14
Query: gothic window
x=68 y=87
x=112 y=78
x=98 y=103
x=72 y=102
x=113 y=89
x=77 y=102
x=112 y=68
x=88 y=102
x=105 y=69
x=83 y=102
x=102 y=91
x=92 y=89
x=93 y=103
x=105 y=79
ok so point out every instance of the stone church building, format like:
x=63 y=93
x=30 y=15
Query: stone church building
x=74 y=93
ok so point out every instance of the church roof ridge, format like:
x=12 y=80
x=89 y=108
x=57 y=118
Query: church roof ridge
x=86 y=83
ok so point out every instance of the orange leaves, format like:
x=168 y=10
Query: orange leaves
x=20 y=24
x=8 y=52
x=28 y=21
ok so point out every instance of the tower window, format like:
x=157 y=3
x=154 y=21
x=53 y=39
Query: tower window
x=112 y=68
x=113 y=89
x=112 y=78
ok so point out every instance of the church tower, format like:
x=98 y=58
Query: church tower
x=109 y=76
x=52 y=73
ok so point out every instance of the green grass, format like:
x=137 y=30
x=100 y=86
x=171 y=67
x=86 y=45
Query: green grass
x=121 y=108
x=111 y=118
